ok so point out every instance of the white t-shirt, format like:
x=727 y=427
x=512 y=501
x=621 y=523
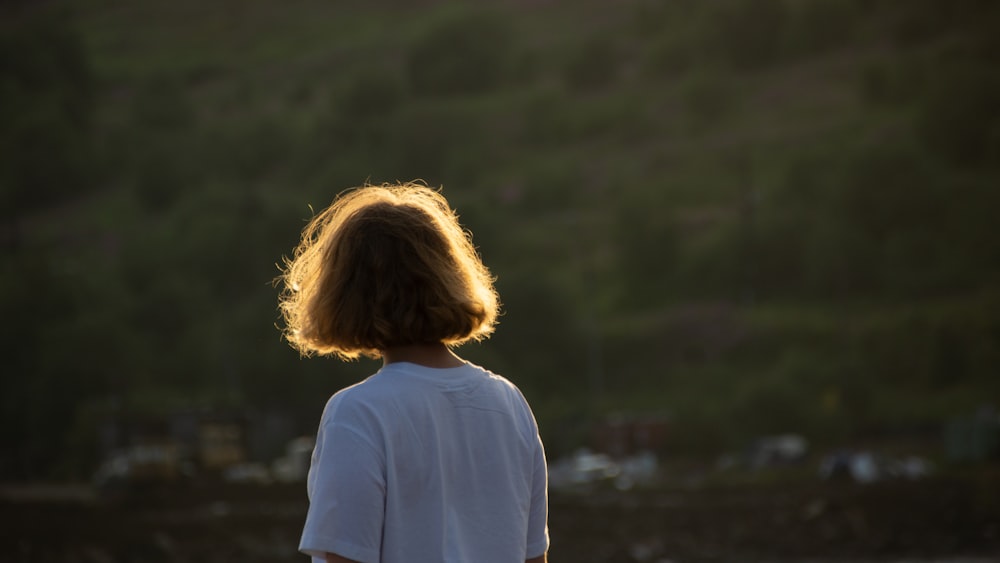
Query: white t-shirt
x=425 y=465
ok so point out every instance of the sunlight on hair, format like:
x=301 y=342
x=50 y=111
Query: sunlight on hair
x=385 y=265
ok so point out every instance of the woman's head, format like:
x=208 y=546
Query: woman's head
x=385 y=266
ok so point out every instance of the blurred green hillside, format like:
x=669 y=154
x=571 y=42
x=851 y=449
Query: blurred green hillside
x=754 y=215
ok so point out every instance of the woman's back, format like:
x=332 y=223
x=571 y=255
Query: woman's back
x=455 y=455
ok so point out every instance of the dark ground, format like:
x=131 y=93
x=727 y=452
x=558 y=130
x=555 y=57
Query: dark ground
x=952 y=518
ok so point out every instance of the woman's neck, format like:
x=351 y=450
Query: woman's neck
x=435 y=355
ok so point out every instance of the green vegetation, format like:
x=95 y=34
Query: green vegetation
x=757 y=215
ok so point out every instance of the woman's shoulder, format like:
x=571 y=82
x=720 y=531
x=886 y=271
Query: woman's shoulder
x=360 y=396
x=502 y=382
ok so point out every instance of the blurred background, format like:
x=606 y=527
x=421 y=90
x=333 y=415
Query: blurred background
x=747 y=250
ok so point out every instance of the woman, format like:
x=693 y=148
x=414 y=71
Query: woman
x=430 y=459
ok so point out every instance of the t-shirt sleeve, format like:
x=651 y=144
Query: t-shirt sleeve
x=538 y=530
x=346 y=487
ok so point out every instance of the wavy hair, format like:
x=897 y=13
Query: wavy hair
x=385 y=266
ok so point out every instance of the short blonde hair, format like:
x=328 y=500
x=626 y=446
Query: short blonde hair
x=385 y=266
